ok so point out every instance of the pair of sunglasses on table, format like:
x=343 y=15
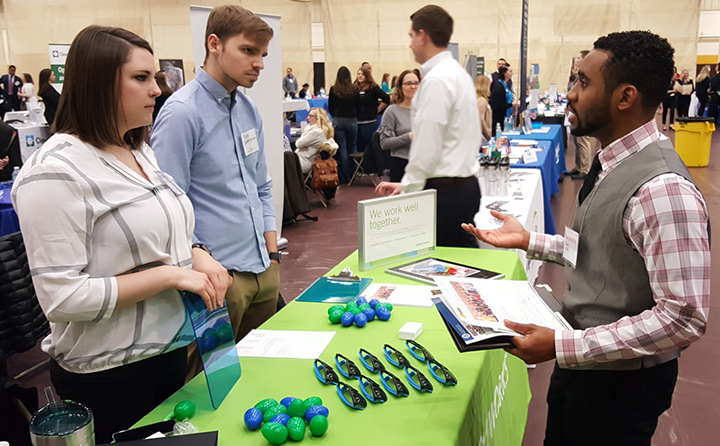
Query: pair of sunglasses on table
x=369 y=388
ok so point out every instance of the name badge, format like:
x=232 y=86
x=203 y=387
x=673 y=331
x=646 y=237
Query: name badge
x=169 y=182
x=250 y=142
x=570 y=250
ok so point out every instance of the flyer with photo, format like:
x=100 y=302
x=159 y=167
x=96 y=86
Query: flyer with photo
x=403 y=295
x=487 y=303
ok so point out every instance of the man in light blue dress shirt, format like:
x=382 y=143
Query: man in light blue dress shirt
x=209 y=137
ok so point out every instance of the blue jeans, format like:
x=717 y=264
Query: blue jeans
x=346 y=130
x=365 y=133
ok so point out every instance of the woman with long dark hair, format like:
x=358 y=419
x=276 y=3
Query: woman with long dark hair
x=165 y=92
x=109 y=238
x=371 y=102
x=342 y=105
x=49 y=95
x=501 y=98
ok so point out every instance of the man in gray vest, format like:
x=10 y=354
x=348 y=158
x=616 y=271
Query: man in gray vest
x=636 y=256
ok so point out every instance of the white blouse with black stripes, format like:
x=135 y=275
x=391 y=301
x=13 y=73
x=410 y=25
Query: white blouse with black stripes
x=87 y=218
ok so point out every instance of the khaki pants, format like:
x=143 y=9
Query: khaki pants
x=585 y=147
x=251 y=300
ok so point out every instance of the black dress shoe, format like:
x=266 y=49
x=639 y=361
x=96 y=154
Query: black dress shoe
x=572 y=172
x=578 y=176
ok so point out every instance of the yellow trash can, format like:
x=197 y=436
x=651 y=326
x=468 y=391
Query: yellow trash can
x=692 y=140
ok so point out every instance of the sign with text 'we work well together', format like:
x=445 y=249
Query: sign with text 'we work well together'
x=394 y=228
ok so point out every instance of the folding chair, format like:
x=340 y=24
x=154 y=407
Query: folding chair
x=358 y=159
x=319 y=193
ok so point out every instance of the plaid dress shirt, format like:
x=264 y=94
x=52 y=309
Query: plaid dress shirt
x=666 y=223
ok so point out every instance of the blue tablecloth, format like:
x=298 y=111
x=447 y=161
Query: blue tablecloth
x=302 y=115
x=555 y=137
x=546 y=164
x=8 y=218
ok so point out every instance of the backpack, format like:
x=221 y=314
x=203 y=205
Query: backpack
x=324 y=172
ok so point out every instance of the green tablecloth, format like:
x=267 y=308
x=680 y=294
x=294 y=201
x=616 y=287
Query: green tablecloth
x=487 y=407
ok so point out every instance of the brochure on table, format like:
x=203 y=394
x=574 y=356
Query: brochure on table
x=395 y=228
x=402 y=295
x=487 y=303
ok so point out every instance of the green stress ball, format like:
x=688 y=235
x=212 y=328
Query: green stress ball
x=275 y=410
x=296 y=428
x=310 y=402
x=335 y=316
x=297 y=408
x=183 y=411
x=336 y=308
x=389 y=306
x=275 y=433
x=318 y=426
x=362 y=307
x=264 y=405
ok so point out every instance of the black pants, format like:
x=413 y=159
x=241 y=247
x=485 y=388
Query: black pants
x=397 y=169
x=713 y=106
x=683 y=105
x=458 y=200
x=669 y=106
x=120 y=397
x=703 y=100
x=602 y=408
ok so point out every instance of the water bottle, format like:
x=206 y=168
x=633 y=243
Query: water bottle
x=498 y=130
x=493 y=177
x=16 y=171
x=484 y=175
x=504 y=182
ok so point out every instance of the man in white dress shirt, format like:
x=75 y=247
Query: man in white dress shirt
x=445 y=128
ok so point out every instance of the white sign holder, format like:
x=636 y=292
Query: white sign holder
x=396 y=228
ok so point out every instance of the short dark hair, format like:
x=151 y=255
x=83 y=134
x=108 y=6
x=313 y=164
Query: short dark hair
x=502 y=70
x=306 y=85
x=90 y=99
x=12 y=66
x=503 y=59
x=230 y=20
x=436 y=22
x=639 y=58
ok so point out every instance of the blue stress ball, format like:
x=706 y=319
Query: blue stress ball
x=282 y=418
x=360 y=301
x=253 y=418
x=347 y=319
x=373 y=303
x=369 y=314
x=360 y=320
x=382 y=313
x=316 y=410
x=287 y=400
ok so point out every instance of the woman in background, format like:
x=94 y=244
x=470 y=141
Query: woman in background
x=371 y=102
x=482 y=88
x=683 y=88
x=501 y=98
x=393 y=84
x=49 y=95
x=342 y=105
x=384 y=85
x=28 y=94
x=318 y=131
x=395 y=134
x=669 y=103
x=165 y=92
x=109 y=238
x=702 y=85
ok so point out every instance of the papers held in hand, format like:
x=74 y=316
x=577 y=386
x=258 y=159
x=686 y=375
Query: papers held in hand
x=474 y=310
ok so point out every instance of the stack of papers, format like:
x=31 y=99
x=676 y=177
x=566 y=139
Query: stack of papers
x=476 y=309
x=402 y=295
